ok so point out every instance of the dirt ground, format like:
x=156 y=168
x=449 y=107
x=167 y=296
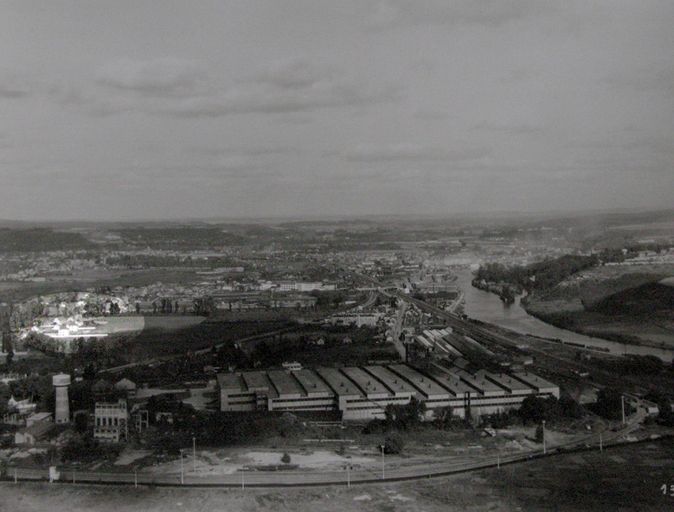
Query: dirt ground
x=626 y=478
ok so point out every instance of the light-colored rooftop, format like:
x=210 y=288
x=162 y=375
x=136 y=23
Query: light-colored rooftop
x=339 y=383
x=285 y=384
x=312 y=383
x=422 y=383
x=366 y=382
x=230 y=381
x=534 y=380
x=509 y=383
x=392 y=381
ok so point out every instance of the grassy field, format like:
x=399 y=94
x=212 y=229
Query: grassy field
x=626 y=478
x=17 y=291
x=159 y=341
x=172 y=322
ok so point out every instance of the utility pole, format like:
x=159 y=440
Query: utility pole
x=622 y=403
x=243 y=479
x=498 y=461
x=383 y=463
x=544 y=447
x=194 y=455
x=601 y=443
x=182 y=468
x=348 y=475
x=135 y=478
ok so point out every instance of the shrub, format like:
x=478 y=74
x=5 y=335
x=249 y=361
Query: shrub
x=286 y=458
x=393 y=444
x=540 y=433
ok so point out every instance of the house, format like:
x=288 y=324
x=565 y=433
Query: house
x=40 y=432
x=293 y=366
x=23 y=407
x=126 y=386
x=38 y=417
x=102 y=388
x=18 y=411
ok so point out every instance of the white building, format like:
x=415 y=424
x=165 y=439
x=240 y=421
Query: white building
x=111 y=421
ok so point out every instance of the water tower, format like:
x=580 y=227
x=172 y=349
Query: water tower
x=61 y=382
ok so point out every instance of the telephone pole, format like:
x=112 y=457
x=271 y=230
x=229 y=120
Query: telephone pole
x=383 y=464
x=182 y=468
x=194 y=454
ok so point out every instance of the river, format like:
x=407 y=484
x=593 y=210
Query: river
x=488 y=307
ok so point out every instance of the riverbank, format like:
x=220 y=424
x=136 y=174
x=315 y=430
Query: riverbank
x=598 y=326
x=626 y=304
x=487 y=307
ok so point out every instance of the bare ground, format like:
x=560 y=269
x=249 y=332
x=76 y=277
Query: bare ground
x=626 y=478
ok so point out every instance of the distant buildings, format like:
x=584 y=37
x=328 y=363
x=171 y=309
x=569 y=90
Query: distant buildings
x=356 y=319
x=37 y=433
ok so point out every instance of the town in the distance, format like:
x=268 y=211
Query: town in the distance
x=330 y=351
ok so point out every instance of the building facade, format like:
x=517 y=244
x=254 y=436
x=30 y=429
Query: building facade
x=362 y=393
x=111 y=421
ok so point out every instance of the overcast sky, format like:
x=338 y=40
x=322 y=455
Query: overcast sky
x=160 y=109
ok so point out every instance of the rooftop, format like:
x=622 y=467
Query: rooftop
x=285 y=384
x=312 y=383
x=425 y=385
x=366 y=382
x=339 y=383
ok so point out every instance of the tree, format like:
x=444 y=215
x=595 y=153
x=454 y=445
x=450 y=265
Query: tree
x=570 y=408
x=540 y=433
x=405 y=416
x=81 y=422
x=536 y=409
x=665 y=415
x=442 y=417
x=609 y=404
x=4 y=397
x=393 y=443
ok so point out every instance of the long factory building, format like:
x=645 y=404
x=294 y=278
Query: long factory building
x=362 y=393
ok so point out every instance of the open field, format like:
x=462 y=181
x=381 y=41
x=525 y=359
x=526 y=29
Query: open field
x=156 y=341
x=21 y=290
x=624 y=478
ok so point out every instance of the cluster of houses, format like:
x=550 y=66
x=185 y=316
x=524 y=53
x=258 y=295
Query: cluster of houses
x=119 y=408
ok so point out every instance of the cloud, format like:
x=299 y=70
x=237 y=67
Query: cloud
x=413 y=153
x=180 y=89
x=653 y=78
x=291 y=74
x=11 y=88
x=170 y=77
x=513 y=129
x=248 y=151
x=271 y=100
x=396 y=13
